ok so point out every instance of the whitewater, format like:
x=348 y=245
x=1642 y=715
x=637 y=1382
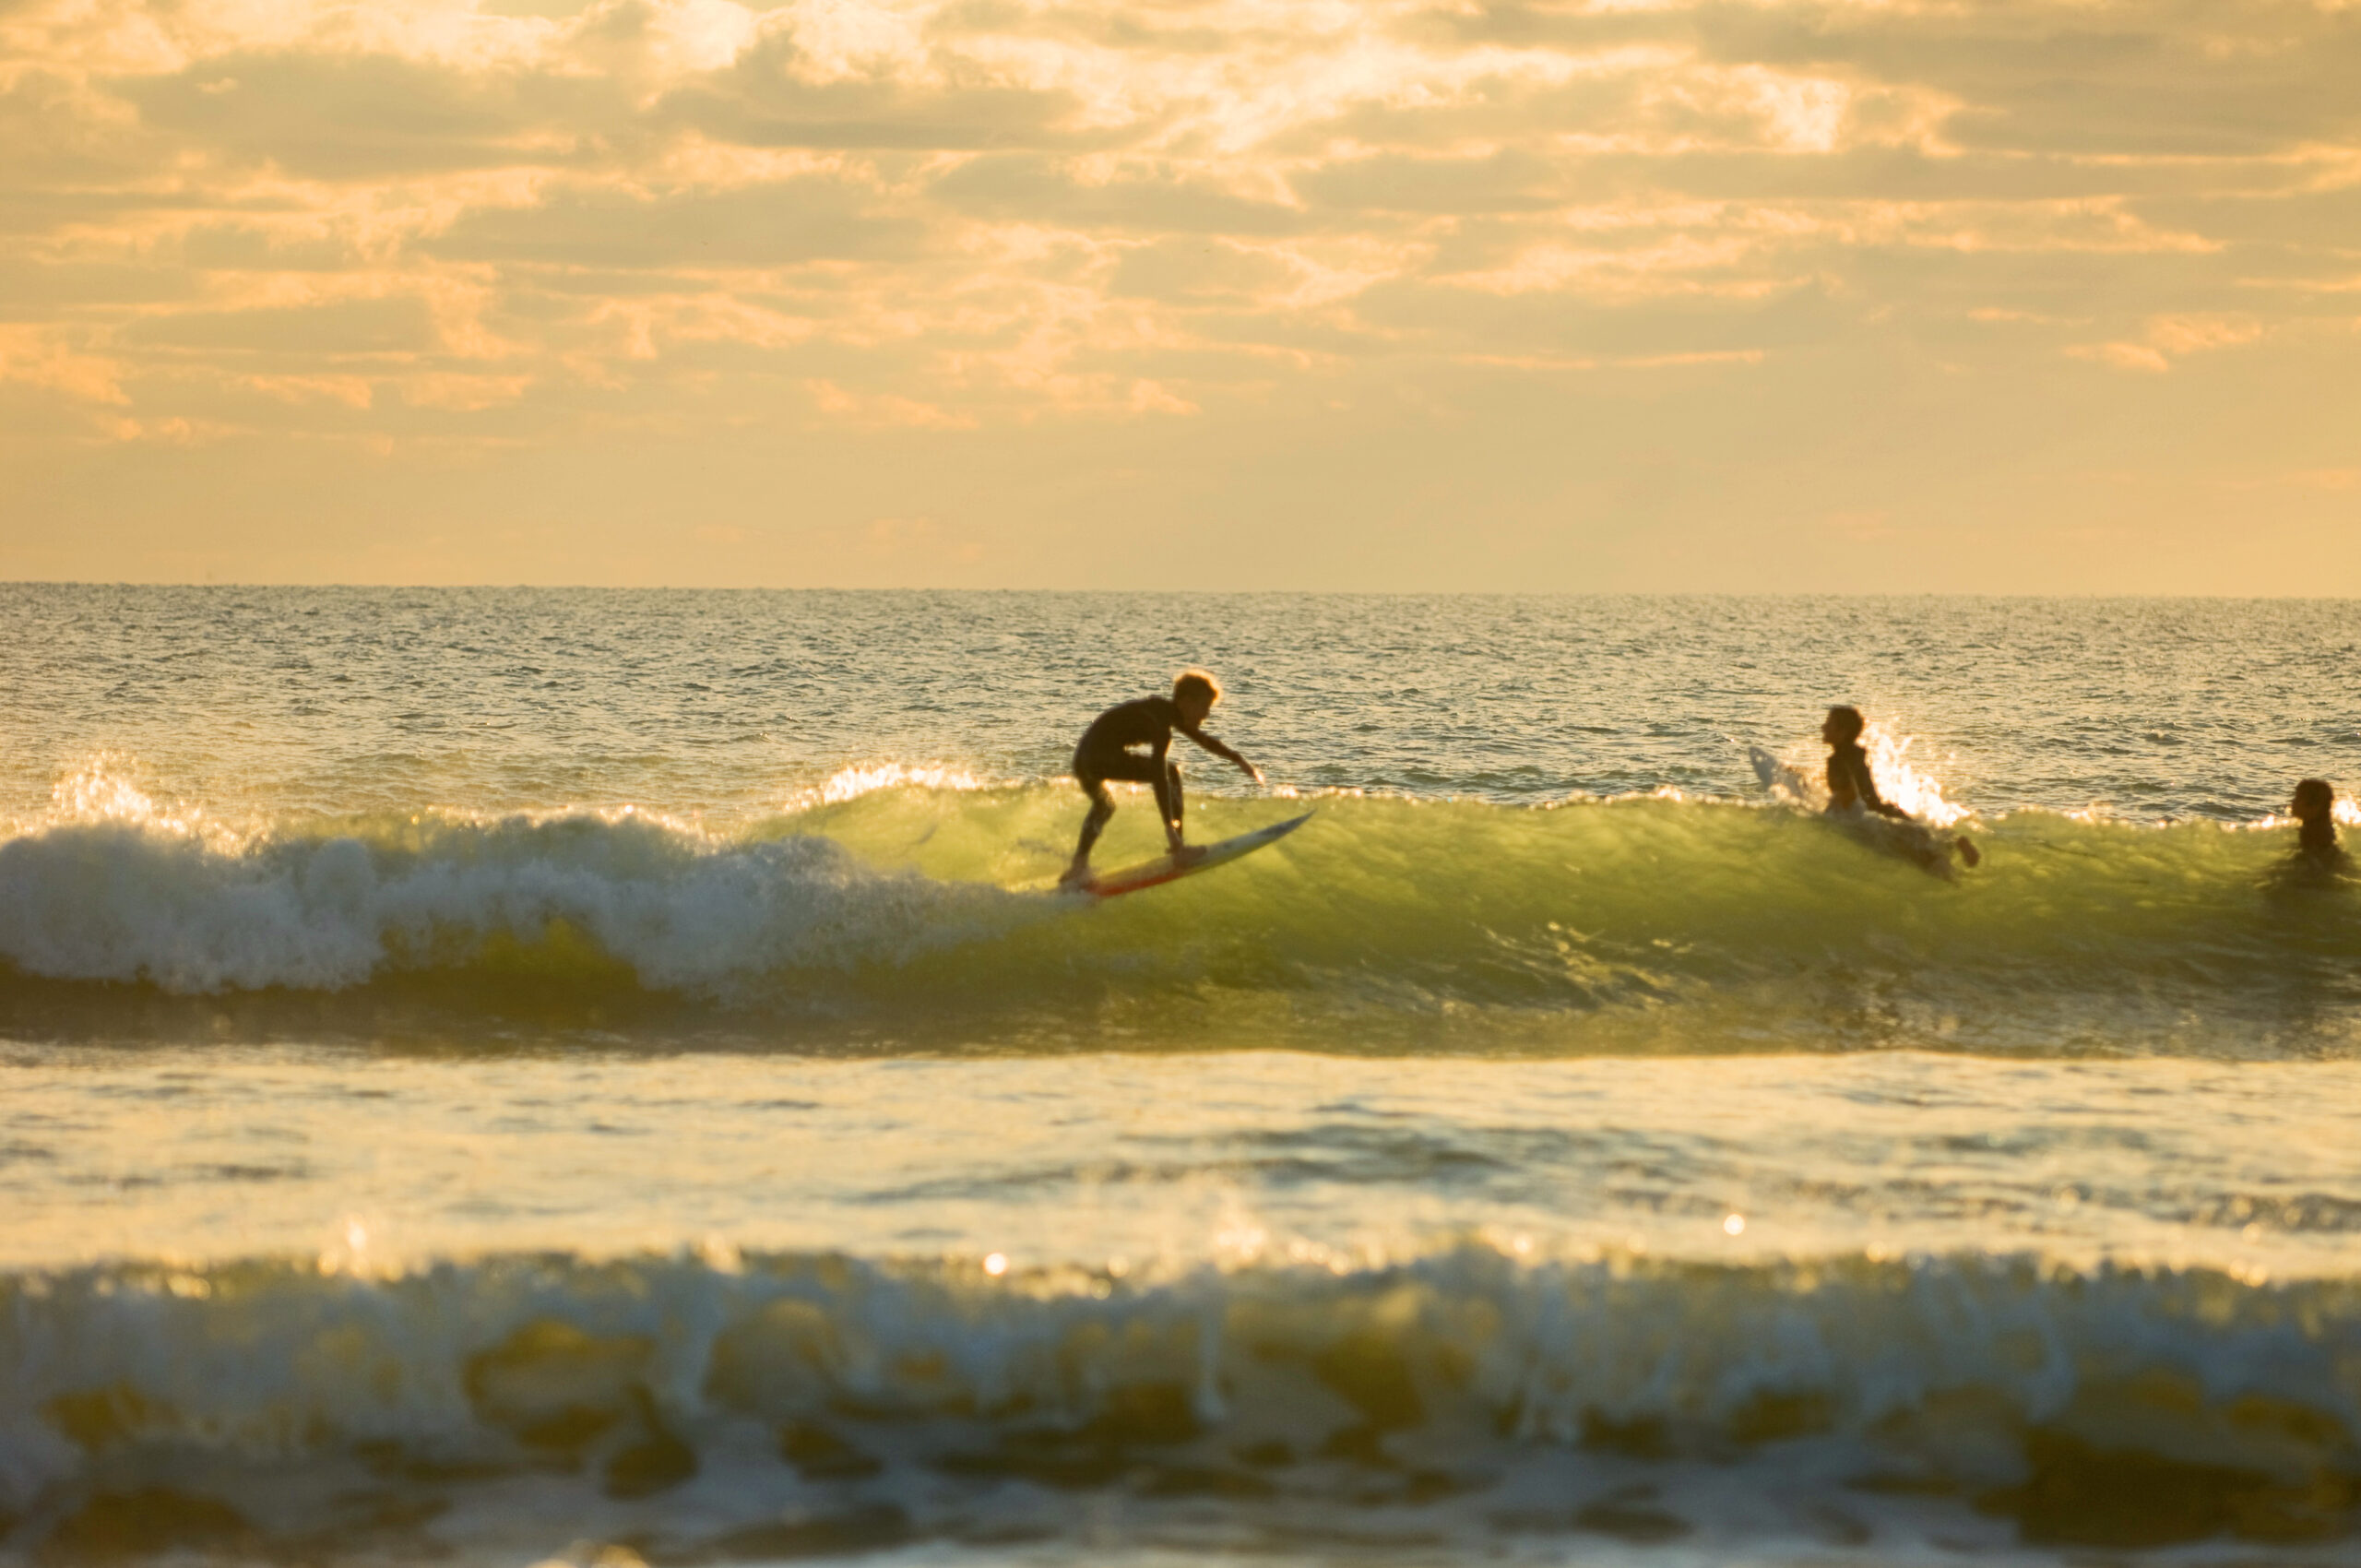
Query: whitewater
x=517 y=1076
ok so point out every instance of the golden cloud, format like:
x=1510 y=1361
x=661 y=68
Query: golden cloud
x=310 y=221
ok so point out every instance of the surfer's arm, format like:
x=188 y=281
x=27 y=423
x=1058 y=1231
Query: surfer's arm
x=1207 y=742
x=1864 y=792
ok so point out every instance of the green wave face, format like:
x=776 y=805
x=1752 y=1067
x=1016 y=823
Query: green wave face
x=1662 y=924
x=918 y=917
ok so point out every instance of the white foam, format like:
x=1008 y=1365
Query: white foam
x=294 y=1357
x=1920 y=794
x=125 y=896
x=866 y=779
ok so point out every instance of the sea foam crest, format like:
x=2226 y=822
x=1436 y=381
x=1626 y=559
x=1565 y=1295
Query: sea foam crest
x=1954 y=1375
x=852 y=782
x=122 y=896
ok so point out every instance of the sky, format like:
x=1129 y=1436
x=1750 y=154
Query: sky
x=1653 y=295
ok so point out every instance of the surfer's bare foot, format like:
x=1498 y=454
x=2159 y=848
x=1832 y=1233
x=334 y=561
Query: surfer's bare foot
x=1076 y=875
x=1186 y=854
x=1968 y=853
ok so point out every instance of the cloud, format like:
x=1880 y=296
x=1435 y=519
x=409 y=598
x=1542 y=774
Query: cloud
x=1145 y=196
x=831 y=220
x=345 y=118
x=2169 y=338
x=1207 y=271
x=804 y=84
x=877 y=409
x=463 y=394
x=35 y=356
x=352 y=391
x=782 y=223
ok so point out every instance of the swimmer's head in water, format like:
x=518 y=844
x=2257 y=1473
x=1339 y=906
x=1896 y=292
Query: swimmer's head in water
x=2314 y=801
x=1844 y=724
x=1194 y=692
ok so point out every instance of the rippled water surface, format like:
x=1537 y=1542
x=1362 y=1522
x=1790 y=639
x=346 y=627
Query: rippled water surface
x=508 y=1075
x=333 y=700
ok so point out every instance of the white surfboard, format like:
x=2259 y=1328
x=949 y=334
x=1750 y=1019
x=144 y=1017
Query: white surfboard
x=1790 y=784
x=1170 y=868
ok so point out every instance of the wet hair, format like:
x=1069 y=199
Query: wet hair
x=1849 y=719
x=2313 y=797
x=1197 y=683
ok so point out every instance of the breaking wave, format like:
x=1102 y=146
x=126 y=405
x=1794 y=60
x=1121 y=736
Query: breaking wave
x=1632 y=924
x=710 y=1406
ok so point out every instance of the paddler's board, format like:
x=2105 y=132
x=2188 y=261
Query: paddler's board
x=1898 y=836
x=1168 y=868
x=1790 y=784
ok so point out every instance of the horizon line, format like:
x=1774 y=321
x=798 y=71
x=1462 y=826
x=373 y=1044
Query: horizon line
x=248 y=587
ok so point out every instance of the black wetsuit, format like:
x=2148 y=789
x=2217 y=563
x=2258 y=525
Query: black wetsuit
x=1850 y=783
x=1105 y=754
x=2318 y=838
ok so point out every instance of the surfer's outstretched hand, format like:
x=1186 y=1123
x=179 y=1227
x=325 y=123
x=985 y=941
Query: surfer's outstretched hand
x=1249 y=769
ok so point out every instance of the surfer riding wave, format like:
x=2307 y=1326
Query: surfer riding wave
x=1106 y=751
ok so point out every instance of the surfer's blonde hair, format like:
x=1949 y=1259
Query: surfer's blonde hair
x=1195 y=680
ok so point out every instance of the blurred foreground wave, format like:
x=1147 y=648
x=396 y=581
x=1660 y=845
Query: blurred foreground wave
x=708 y=1407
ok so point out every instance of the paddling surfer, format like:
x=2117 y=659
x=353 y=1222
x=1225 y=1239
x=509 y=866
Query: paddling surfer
x=2314 y=809
x=1852 y=789
x=1109 y=750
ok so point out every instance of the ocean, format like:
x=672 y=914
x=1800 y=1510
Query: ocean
x=599 y=1078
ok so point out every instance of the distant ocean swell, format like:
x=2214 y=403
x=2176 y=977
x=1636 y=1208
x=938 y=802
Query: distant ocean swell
x=1606 y=919
x=710 y=1408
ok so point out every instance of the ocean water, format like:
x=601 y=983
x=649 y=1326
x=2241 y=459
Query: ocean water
x=595 y=1077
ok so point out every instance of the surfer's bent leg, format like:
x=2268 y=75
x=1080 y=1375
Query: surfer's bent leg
x=1102 y=807
x=1167 y=794
x=1092 y=771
